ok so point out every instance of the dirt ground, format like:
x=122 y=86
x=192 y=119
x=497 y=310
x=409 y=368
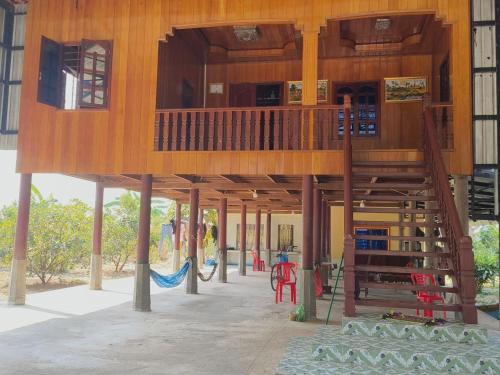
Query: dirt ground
x=74 y=278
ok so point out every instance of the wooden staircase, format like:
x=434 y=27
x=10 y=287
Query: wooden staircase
x=427 y=224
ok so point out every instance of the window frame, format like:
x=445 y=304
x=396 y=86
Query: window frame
x=355 y=86
x=7 y=44
x=80 y=104
x=108 y=47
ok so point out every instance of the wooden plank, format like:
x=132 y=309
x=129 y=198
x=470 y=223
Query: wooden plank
x=410 y=287
x=267 y=129
x=286 y=130
x=407 y=304
x=392 y=253
x=402 y=270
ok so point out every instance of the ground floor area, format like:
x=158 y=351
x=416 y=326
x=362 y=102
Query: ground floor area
x=232 y=328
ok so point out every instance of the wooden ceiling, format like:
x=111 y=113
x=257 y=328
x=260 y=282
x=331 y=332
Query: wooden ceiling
x=410 y=34
x=407 y=34
x=271 y=192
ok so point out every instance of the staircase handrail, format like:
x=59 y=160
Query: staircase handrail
x=460 y=246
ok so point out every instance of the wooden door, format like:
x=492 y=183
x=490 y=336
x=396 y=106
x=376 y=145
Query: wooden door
x=242 y=95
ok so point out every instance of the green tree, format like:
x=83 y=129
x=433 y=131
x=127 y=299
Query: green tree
x=121 y=226
x=59 y=237
x=485 y=244
x=8 y=216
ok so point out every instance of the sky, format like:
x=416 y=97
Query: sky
x=63 y=188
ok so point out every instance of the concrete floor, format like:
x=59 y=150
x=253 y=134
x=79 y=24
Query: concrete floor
x=233 y=328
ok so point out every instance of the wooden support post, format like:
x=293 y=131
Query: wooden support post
x=349 y=256
x=201 y=238
x=316 y=228
x=243 y=241
x=96 y=258
x=176 y=261
x=467 y=281
x=268 y=239
x=256 y=242
x=462 y=201
x=307 y=290
x=309 y=81
x=192 y=276
x=142 y=294
x=17 y=285
x=222 y=275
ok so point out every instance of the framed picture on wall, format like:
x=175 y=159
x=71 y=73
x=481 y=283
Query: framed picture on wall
x=294 y=92
x=405 y=89
x=323 y=91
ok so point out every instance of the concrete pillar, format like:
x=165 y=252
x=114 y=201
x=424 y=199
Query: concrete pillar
x=256 y=242
x=96 y=259
x=306 y=279
x=462 y=201
x=176 y=261
x=222 y=271
x=201 y=237
x=192 y=276
x=142 y=294
x=243 y=241
x=17 y=284
x=268 y=239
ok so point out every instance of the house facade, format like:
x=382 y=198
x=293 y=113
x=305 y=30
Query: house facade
x=242 y=106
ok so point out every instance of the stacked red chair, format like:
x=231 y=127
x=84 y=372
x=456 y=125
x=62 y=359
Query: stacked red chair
x=426 y=297
x=258 y=265
x=285 y=273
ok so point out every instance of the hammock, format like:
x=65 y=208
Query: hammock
x=170 y=281
x=210 y=262
x=209 y=277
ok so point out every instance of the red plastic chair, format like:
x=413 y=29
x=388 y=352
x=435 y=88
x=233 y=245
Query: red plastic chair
x=318 y=283
x=284 y=274
x=258 y=265
x=426 y=297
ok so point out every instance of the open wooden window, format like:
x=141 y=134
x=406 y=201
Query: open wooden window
x=49 y=75
x=75 y=75
x=95 y=65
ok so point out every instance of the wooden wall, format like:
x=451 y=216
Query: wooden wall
x=400 y=125
x=121 y=139
x=180 y=58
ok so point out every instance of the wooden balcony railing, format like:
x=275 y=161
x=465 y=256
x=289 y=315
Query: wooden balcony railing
x=249 y=129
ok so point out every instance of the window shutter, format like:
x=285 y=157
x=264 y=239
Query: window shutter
x=49 y=75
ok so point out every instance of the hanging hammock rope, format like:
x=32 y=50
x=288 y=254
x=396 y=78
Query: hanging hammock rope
x=173 y=280
x=209 y=277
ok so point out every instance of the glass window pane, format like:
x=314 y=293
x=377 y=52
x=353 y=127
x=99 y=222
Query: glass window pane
x=19 y=30
x=16 y=67
x=2 y=63
x=2 y=88
x=2 y=24
x=13 y=109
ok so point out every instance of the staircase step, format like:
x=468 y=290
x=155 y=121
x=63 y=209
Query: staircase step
x=390 y=186
x=372 y=325
x=298 y=360
x=399 y=238
x=403 y=270
x=367 y=223
x=410 y=287
x=407 y=355
x=413 y=305
x=393 y=198
x=386 y=164
x=396 y=210
x=391 y=174
x=412 y=254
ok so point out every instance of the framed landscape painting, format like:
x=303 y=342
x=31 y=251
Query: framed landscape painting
x=294 y=92
x=405 y=89
x=323 y=91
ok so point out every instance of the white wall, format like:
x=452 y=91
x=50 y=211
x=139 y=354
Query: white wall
x=291 y=219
